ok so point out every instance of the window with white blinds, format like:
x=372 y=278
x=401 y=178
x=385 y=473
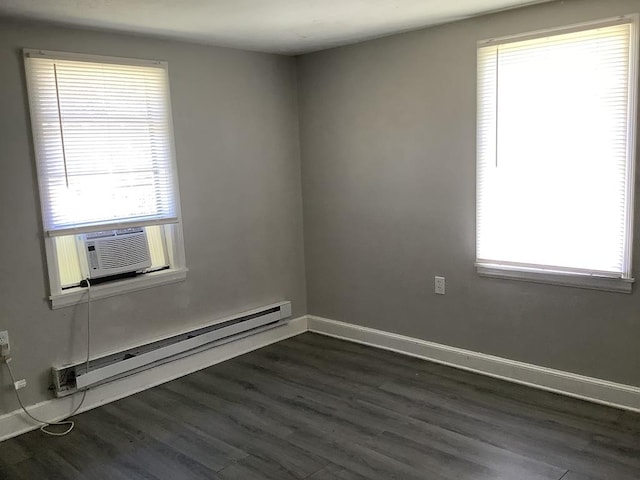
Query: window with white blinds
x=555 y=152
x=103 y=141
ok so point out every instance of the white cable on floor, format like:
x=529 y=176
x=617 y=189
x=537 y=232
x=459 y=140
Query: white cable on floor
x=70 y=423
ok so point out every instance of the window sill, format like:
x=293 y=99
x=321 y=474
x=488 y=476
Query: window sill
x=79 y=295
x=619 y=285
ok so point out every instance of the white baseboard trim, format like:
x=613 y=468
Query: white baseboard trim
x=617 y=395
x=16 y=422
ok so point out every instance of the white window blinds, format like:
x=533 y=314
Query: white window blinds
x=555 y=152
x=103 y=141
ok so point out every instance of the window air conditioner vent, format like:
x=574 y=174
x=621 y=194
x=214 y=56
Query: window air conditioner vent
x=116 y=251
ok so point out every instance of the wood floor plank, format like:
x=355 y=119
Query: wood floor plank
x=578 y=476
x=319 y=408
x=297 y=413
x=254 y=468
x=205 y=449
x=500 y=461
x=493 y=404
x=550 y=451
x=384 y=359
x=630 y=421
x=356 y=457
x=467 y=384
x=38 y=468
x=335 y=472
x=322 y=406
x=12 y=453
x=250 y=438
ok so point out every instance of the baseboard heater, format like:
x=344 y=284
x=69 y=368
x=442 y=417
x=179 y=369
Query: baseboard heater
x=68 y=379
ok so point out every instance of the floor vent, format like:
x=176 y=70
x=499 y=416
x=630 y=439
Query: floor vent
x=68 y=379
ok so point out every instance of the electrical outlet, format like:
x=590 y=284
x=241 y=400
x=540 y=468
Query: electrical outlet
x=439 y=283
x=4 y=340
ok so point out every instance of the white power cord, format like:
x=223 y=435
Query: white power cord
x=70 y=423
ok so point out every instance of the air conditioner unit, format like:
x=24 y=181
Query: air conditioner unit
x=114 y=252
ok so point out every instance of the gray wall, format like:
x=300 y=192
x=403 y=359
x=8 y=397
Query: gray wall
x=388 y=150
x=236 y=135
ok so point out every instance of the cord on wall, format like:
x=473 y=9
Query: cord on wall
x=69 y=423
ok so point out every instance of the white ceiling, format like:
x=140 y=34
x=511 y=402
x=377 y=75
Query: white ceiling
x=277 y=26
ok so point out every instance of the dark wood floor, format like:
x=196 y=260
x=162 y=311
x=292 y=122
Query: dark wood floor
x=317 y=408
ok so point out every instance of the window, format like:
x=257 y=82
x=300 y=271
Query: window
x=105 y=159
x=555 y=155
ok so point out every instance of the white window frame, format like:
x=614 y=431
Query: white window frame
x=174 y=237
x=562 y=276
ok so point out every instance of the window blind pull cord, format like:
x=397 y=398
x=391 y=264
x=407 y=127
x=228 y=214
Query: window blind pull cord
x=497 y=102
x=64 y=153
x=70 y=423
